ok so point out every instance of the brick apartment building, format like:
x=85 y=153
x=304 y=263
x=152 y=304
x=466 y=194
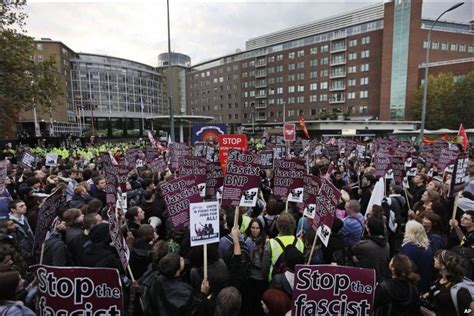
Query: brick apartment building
x=364 y=64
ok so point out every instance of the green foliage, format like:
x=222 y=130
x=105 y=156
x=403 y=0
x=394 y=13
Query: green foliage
x=448 y=103
x=23 y=83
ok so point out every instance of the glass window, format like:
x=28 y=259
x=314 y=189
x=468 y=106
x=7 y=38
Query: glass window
x=435 y=45
x=313 y=86
x=444 y=46
x=353 y=43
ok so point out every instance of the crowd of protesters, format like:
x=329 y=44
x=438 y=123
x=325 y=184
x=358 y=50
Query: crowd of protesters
x=423 y=257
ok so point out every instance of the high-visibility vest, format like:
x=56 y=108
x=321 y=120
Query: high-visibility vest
x=276 y=250
x=245 y=223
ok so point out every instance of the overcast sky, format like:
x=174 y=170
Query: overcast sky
x=201 y=29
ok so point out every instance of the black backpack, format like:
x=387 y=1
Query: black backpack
x=280 y=264
x=245 y=255
x=269 y=226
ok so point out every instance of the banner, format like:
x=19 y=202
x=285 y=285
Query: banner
x=117 y=239
x=215 y=178
x=288 y=180
x=197 y=167
x=333 y=290
x=207 y=132
x=46 y=214
x=228 y=142
x=51 y=160
x=204 y=223
x=266 y=159
x=459 y=174
x=178 y=195
x=242 y=181
x=3 y=174
x=79 y=291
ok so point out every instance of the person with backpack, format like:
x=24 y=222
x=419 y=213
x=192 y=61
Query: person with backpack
x=399 y=295
x=269 y=218
x=275 y=247
x=285 y=281
x=451 y=294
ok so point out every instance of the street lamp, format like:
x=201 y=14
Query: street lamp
x=170 y=89
x=427 y=60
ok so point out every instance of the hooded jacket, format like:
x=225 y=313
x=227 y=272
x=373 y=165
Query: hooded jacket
x=401 y=294
x=373 y=253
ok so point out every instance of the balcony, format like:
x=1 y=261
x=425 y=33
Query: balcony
x=339 y=74
x=338 y=34
x=337 y=100
x=337 y=87
x=338 y=61
x=261 y=63
x=261 y=96
x=261 y=118
x=338 y=48
x=261 y=105
x=260 y=74
x=261 y=85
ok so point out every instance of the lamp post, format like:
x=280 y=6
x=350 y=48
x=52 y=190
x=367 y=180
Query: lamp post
x=170 y=90
x=427 y=60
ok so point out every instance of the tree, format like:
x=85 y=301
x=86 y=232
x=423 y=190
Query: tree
x=23 y=83
x=464 y=100
x=448 y=103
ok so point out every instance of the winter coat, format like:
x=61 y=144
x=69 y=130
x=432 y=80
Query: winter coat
x=56 y=252
x=373 y=253
x=12 y=308
x=173 y=297
x=139 y=257
x=423 y=259
x=100 y=255
x=395 y=297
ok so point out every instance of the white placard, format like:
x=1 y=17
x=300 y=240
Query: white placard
x=204 y=223
x=51 y=160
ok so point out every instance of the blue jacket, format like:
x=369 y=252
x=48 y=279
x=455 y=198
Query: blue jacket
x=423 y=259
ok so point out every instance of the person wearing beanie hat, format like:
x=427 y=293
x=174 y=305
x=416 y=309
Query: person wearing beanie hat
x=97 y=251
x=373 y=252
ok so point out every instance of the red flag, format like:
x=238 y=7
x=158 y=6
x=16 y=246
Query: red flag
x=462 y=135
x=303 y=126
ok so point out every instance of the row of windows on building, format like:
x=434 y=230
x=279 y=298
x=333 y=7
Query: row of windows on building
x=454 y=47
x=362 y=109
x=291 y=55
x=324 y=97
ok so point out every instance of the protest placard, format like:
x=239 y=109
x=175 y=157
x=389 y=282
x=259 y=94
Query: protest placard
x=27 y=160
x=46 y=214
x=117 y=238
x=3 y=174
x=79 y=291
x=177 y=152
x=111 y=180
x=397 y=162
x=151 y=154
x=311 y=190
x=288 y=180
x=326 y=203
x=158 y=165
x=459 y=174
x=447 y=157
x=381 y=163
x=332 y=152
x=197 y=167
x=199 y=149
x=279 y=151
x=333 y=290
x=266 y=159
x=178 y=194
x=242 y=181
x=228 y=142
x=204 y=223
x=131 y=157
x=215 y=178
x=51 y=160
